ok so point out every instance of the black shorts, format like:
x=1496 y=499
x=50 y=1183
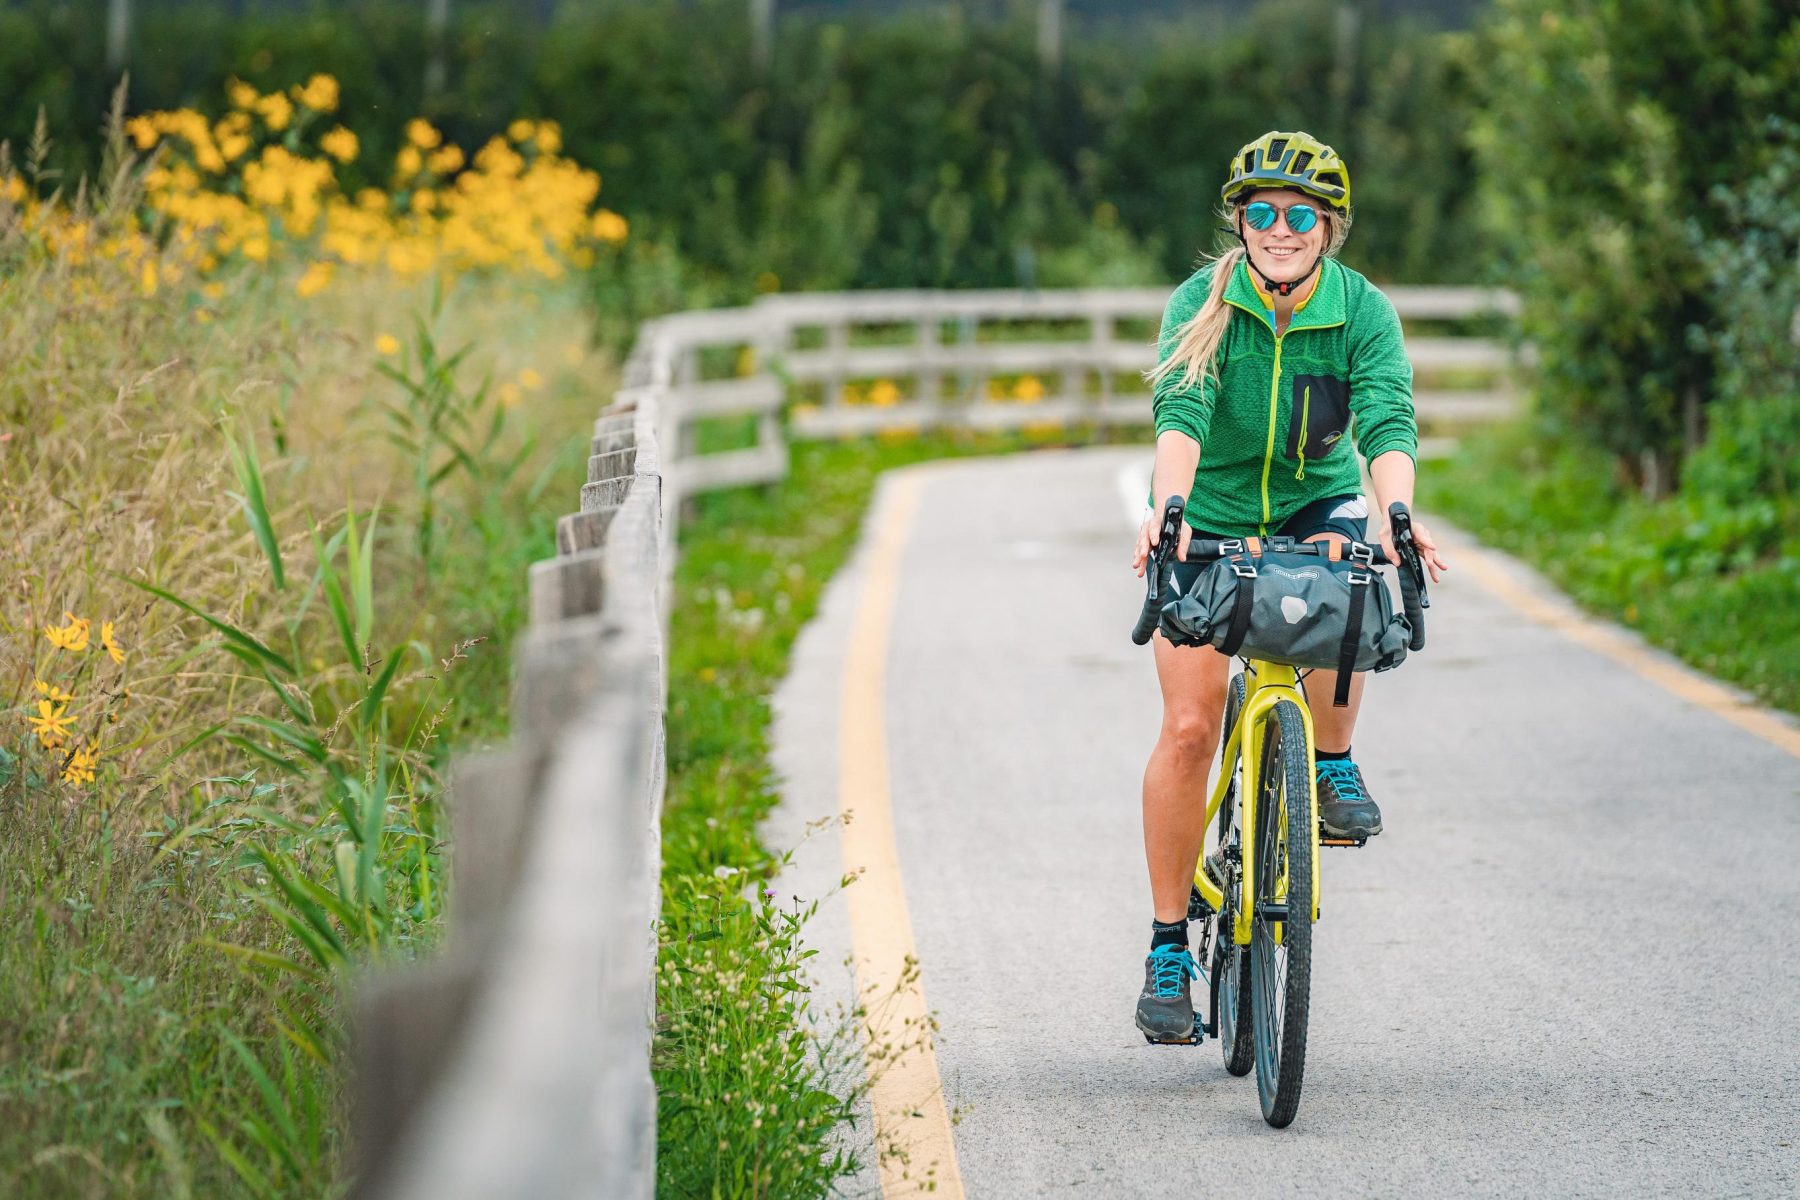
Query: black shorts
x=1346 y=515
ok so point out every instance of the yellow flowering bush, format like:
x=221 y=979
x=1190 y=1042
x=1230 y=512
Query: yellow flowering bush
x=261 y=185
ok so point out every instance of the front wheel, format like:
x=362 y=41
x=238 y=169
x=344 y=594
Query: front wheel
x=1281 y=931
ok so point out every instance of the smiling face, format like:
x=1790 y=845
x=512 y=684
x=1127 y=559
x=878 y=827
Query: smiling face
x=1278 y=252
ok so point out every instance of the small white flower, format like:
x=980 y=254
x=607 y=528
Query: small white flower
x=724 y=872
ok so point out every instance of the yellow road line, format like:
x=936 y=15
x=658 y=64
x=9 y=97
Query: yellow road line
x=1688 y=684
x=912 y=1125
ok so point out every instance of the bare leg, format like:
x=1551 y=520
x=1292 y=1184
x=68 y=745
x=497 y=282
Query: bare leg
x=1193 y=687
x=1333 y=726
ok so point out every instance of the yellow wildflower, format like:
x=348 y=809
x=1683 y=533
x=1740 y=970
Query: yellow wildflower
x=423 y=134
x=883 y=392
x=408 y=162
x=530 y=380
x=510 y=395
x=53 y=693
x=519 y=130
x=80 y=767
x=147 y=279
x=340 y=143
x=313 y=280
x=320 y=94
x=609 y=226
x=447 y=161
x=276 y=111
x=387 y=343
x=73 y=636
x=1030 y=389
x=241 y=94
x=549 y=137
x=143 y=132
x=213 y=291
x=52 y=724
x=424 y=200
x=113 y=649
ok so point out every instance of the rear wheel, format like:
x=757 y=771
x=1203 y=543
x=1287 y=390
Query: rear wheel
x=1281 y=932
x=1230 y=961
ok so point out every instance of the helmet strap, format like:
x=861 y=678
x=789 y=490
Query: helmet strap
x=1269 y=285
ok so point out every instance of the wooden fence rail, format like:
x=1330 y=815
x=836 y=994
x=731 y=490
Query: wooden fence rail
x=517 y=1061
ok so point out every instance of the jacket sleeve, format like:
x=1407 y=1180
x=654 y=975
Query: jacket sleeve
x=1174 y=406
x=1381 y=380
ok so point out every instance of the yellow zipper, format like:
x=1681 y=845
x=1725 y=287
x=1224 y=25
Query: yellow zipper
x=1269 y=453
x=1305 y=420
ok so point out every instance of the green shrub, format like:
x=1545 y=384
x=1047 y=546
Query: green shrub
x=1752 y=450
x=1606 y=128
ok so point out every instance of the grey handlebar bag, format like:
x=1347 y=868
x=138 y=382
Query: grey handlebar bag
x=1291 y=608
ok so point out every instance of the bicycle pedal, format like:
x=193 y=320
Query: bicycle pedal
x=1331 y=841
x=1195 y=1039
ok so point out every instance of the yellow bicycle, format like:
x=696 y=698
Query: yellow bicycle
x=1256 y=917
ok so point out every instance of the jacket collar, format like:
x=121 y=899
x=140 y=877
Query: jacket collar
x=1325 y=307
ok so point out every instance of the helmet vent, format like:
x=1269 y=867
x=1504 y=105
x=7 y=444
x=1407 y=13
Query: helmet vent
x=1301 y=160
x=1330 y=177
x=1250 y=162
x=1277 y=150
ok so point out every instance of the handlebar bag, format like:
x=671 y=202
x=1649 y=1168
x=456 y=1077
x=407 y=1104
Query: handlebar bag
x=1297 y=609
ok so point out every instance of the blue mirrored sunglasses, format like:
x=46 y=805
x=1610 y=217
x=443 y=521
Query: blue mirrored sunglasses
x=1301 y=216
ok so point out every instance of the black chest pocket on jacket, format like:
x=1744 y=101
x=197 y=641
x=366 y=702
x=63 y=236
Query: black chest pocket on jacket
x=1318 y=418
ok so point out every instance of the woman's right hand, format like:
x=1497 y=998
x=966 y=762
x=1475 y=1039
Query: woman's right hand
x=1148 y=535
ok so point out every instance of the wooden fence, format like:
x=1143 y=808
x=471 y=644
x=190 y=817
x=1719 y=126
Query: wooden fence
x=517 y=1061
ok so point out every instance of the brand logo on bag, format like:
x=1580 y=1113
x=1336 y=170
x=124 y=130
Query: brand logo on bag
x=1293 y=608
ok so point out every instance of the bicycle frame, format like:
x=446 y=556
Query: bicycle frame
x=1265 y=684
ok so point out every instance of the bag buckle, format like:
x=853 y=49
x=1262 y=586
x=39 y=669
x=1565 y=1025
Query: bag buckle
x=1363 y=553
x=1229 y=546
x=1356 y=577
x=1242 y=569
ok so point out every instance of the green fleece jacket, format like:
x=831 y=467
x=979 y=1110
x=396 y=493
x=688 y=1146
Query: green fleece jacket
x=1271 y=427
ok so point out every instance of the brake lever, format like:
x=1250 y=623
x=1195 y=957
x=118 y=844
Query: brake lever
x=1401 y=523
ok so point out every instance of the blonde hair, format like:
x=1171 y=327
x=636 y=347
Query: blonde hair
x=1197 y=346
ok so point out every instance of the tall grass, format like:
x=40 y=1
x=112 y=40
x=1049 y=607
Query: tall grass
x=308 y=612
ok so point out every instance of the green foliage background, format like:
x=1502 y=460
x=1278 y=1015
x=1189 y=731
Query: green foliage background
x=923 y=149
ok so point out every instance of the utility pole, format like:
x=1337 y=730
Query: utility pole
x=437 y=33
x=762 y=34
x=1343 y=69
x=118 y=34
x=1049 y=34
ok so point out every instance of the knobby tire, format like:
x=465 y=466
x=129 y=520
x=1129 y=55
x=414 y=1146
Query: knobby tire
x=1280 y=973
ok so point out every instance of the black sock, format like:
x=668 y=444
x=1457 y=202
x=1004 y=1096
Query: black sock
x=1328 y=756
x=1172 y=933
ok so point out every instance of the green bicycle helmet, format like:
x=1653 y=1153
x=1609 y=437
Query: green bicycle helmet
x=1291 y=160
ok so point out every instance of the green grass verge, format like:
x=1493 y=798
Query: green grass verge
x=1716 y=584
x=753 y=1083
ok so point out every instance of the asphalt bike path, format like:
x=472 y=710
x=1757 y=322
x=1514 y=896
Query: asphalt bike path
x=1570 y=966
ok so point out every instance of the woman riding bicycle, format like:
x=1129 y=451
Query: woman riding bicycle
x=1269 y=356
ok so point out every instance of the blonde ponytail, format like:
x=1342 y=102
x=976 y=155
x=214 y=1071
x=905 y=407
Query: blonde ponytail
x=1198 y=346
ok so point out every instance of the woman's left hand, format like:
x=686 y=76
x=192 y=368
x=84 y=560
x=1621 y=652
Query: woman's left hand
x=1428 y=551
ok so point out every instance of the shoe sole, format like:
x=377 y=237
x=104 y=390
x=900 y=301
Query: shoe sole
x=1192 y=1036
x=1349 y=835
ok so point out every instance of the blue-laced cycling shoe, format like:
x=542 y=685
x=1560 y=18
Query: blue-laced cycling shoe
x=1346 y=809
x=1165 y=1010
